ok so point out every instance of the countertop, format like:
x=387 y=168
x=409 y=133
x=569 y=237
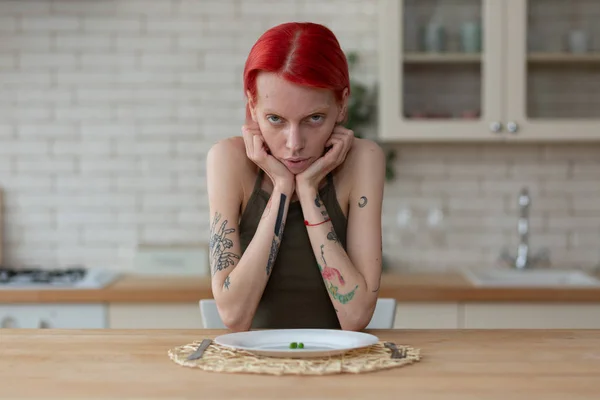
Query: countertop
x=464 y=365
x=408 y=287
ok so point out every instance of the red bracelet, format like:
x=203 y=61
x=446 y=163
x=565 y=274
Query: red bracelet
x=318 y=223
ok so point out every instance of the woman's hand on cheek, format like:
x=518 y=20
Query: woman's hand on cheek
x=258 y=152
x=339 y=143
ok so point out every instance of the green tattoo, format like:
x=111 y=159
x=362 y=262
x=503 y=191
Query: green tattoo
x=330 y=274
x=341 y=297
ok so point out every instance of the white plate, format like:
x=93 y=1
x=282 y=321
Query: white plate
x=317 y=342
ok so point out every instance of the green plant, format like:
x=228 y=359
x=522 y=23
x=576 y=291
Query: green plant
x=362 y=112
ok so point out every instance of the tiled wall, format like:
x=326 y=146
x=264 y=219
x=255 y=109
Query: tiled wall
x=107 y=109
x=476 y=187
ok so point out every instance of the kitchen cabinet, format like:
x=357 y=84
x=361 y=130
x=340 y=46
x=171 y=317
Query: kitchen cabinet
x=154 y=316
x=530 y=316
x=188 y=316
x=489 y=71
x=426 y=315
x=53 y=316
x=490 y=315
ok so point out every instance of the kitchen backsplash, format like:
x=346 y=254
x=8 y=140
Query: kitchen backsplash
x=108 y=108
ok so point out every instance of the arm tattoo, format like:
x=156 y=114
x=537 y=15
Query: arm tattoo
x=318 y=201
x=362 y=202
x=318 y=204
x=329 y=274
x=332 y=236
x=279 y=220
x=272 y=256
x=279 y=227
x=218 y=245
x=226 y=284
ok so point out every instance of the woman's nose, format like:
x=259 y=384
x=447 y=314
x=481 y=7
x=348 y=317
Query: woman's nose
x=295 y=141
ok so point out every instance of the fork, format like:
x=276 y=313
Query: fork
x=396 y=353
x=200 y=350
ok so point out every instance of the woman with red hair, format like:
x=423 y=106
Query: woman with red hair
x=301 y=248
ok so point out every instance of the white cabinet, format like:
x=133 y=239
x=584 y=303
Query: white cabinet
x=154 y=316
x=484 y=315
x=188 y=316
x=427 y=316
x=54 y=316
x=447 y=94
x=552 y=90
x=488 y=70
x=531 y=316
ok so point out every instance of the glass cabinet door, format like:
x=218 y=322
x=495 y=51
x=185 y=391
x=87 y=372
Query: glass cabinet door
x=441 y=69
x=553 y=70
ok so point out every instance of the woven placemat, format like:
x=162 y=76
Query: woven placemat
x=219 y=358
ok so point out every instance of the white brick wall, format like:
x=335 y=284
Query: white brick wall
x=476 y=187
x=107 y=110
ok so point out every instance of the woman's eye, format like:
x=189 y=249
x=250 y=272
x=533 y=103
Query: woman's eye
x=316 y=118
x=273 y=119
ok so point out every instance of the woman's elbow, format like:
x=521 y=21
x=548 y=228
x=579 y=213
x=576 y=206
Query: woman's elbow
x=234 y=320
x=236 y=326
x=354 y=325
x=358 y=321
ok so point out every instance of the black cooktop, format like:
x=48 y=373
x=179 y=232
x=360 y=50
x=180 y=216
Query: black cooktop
x=41 y=275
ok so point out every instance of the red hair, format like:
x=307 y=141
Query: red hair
x=304 y=53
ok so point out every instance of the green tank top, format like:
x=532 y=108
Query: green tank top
x=295 y=295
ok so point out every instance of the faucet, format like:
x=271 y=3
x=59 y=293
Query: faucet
x=523 y=258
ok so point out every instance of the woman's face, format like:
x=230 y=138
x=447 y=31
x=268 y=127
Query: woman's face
x=295 y=121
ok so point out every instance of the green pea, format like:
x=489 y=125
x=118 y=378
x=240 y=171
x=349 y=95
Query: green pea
x=293 y=345
x=301 y=345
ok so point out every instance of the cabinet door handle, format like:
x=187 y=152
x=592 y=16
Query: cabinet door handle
x=512 y=127
x=495 y=126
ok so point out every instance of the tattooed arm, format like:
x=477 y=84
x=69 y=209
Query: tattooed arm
x=238 y=281
x=351 y=278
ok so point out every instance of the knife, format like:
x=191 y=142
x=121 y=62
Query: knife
x=200 y=350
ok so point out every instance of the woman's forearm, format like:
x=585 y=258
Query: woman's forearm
x=245 y=284
x=347 y=289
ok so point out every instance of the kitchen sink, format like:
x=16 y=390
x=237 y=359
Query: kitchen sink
x=499 y=277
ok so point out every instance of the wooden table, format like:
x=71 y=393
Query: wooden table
x=455 y=365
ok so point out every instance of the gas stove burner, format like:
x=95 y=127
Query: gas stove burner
x=5 y=274
x=42 y=276
x=74 y=277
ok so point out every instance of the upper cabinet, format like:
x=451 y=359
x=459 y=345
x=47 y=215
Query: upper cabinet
x=489 y=70
x=553 y=69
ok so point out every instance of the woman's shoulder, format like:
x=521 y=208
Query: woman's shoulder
x=363 y=160
x=368 y=146
x=227 y=162
x=227 y=147
x=361 y=154
x=228 y=152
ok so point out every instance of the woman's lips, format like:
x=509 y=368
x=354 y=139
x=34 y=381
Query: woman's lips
x=296 y=165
